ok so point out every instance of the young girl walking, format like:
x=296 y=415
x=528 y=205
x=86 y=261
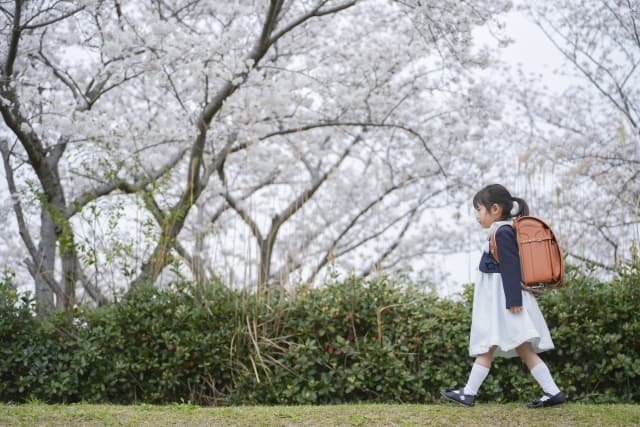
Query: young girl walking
x=506 y=320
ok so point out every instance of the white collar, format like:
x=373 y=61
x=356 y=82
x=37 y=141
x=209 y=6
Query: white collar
x=494 y=227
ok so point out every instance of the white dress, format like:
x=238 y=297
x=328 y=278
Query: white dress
x=494 y=325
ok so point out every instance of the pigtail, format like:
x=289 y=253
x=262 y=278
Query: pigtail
x=512 y=207
x=520 y=207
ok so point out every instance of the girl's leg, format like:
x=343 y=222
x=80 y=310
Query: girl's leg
x=479 y=372
x=528 y=356
x=487 y=358
x=541 y=373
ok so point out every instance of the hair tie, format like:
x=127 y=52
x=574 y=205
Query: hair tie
x=515 y=209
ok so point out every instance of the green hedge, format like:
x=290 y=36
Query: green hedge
x=353 y=341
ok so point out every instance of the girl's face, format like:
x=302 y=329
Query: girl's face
x=486 y=217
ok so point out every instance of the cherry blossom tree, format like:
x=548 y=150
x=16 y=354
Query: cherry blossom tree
x=311 y=134
x=588 y=136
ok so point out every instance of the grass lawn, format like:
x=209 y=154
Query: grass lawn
x=37 y=414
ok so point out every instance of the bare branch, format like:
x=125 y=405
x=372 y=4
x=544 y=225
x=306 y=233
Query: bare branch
x=53 y=20
x=12 y=53
x=592 y=261
x=377 y=264
x=93 y=291
x=330 y=253
x=572 y=57
x=17 y=206
x=315 y=12
x=364 y=124
x=244 y=215
x=302 y=198
x=36 y=272
x=117 y=184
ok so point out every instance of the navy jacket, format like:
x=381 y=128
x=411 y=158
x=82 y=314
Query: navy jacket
x=508 y=267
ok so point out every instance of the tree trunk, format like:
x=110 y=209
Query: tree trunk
x=44 y=266
x=266 y=252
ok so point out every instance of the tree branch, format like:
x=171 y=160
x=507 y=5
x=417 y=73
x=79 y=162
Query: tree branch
x=591 y=261
x=244 y=215
x=17 y=206
x=314 y=12
x=117 y=184
x=53 y=20
x=404 y=128
x=12 y=53
x=330 y=252
x=573 y=59
x=302 y=198
x=376 y=265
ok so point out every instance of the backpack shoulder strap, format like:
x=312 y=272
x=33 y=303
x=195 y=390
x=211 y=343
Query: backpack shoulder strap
x=493 y=246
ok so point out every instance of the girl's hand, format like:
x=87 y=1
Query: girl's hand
x=516 y=309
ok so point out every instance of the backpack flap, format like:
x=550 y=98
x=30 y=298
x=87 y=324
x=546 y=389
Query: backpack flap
x=540 y=256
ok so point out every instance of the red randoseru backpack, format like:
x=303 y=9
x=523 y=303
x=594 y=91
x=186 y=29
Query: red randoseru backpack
x=541 y=261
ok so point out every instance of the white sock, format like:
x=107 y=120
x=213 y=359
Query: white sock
x=543 y=376
x=476 y=378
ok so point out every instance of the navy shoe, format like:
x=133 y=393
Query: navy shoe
x=551 y=400
x=458 y=396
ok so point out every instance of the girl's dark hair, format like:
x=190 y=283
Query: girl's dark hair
x=497 y=194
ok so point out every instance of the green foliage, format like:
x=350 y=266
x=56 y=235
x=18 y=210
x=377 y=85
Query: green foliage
x=34 y=357
x=361 y=341
x=157 y=346
x=351 y=341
